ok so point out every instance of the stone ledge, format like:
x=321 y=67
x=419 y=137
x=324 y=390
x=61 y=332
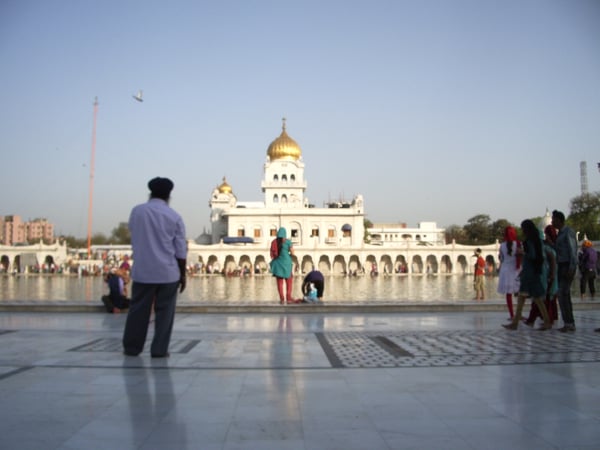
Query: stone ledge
x=248 y=308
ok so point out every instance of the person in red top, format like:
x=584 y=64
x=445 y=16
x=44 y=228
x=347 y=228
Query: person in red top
x=479 y=273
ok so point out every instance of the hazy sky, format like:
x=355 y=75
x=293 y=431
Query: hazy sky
x=432 y=110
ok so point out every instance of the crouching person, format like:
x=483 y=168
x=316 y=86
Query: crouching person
x=116 y=300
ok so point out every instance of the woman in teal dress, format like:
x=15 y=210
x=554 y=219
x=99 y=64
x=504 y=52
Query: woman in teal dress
x=534 y=275
x=281 y=264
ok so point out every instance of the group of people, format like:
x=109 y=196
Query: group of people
x=542 y=267
x=281 y=266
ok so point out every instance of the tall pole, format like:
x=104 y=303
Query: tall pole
x=91 y=199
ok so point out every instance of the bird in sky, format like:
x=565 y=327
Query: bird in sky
x=138 y=96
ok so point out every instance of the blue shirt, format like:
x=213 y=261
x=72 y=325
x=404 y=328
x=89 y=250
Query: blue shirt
x=158 y=240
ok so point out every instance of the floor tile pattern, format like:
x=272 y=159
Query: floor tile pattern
x=116 y=345
x=457 y=348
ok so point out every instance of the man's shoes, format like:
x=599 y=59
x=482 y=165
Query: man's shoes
x=126 y=353
x=510 y=326
x=567 y=329
x=166 y=355
x=597 y=330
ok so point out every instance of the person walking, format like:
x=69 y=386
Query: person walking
x=566 y=258
x=510 y=266
x=281 y=264
x=533 y=277
x=158 y=271
x=552 y=289
x=589 y=259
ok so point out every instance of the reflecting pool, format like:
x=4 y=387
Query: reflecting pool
x=216 y=289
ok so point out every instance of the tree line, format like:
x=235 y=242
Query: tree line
x=584 y=217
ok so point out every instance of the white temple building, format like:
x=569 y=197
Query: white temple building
x=332 y=238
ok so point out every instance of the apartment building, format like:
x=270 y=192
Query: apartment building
x=14 y=231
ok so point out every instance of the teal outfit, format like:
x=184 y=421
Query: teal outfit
x=281 y=266
x=533 y=282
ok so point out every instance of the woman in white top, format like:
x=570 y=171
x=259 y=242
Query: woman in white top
x=510 y=266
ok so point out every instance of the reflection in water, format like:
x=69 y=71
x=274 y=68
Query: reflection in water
x=262 y=289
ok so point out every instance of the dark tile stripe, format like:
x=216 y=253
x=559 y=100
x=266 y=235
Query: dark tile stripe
x=329 y=351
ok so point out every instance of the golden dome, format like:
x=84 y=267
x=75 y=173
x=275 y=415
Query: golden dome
x=284 y=147
x=225 y=188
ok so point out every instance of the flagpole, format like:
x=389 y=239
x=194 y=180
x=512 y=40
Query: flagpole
x=91 y=198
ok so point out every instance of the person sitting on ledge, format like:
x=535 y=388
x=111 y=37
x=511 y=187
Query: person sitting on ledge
x=116 y=300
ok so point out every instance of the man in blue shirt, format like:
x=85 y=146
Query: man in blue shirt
x=566 y=257
x=158 y=270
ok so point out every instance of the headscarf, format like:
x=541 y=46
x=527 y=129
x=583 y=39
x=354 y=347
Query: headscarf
x=510 y=236
x=281 y=236
x=550 y=234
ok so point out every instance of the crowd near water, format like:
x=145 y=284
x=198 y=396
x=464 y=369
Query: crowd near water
x=219 y=289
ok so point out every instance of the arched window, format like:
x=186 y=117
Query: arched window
x=275 y=198
x=346 y=230
x=275 y=178
x=284 y=179
x=284 y=198
x=331 y=233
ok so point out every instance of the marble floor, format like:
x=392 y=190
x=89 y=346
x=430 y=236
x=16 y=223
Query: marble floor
x=451 y=380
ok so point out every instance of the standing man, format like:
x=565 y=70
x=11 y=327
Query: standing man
x=588 y=262
x=159 y=254
x=479 y=273
x=566 y=257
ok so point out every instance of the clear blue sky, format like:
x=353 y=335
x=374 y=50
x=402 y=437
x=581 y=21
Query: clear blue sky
x=432 y=110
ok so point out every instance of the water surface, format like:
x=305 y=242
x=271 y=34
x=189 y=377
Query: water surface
x=216 y=289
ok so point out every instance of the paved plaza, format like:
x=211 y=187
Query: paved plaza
x=300 y=380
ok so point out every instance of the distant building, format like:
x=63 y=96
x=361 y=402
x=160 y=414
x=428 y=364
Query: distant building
x=16 y=232
x=39 y=230
x=397 y=235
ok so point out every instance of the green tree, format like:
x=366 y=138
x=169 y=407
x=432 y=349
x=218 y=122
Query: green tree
x=121 y=235
x=73 y=242
x=497 y=229
x=456 y=233
x=585 y=215
x=478 y=230
x=98 y=239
